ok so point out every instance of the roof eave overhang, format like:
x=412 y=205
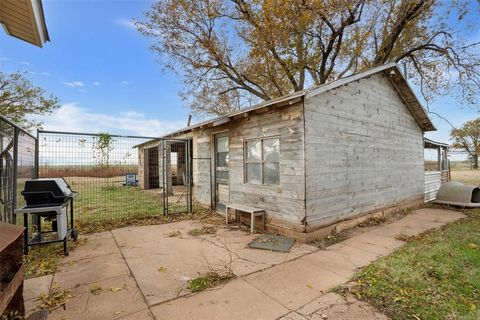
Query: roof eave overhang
x=263 y=107
x=434 y=144
x=36 y=33
x=401 y=85
x=410 y=99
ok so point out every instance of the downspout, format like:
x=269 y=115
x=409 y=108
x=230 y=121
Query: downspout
x=304 y=220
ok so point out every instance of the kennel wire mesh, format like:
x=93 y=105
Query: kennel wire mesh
x=26 y=169
x=97 y=166
x=176 y=174
x=17 y=164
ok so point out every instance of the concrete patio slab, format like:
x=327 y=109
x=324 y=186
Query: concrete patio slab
x=439 y=215
x=409 y=226
x=357 y=257
x=163 y=258
x=133 y=236
x=332 y=261
x=150 y=266
x=140 y=315
x=332 y=306
x=295 y=283
x=35 y=287
x=98 y=244
x=293 y=316
x=237 y=300
x=117 y=298
x=247 y=260
x=90 y=270
x=374 y=243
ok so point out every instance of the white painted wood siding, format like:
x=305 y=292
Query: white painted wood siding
x=433 y=181
x=364 y=151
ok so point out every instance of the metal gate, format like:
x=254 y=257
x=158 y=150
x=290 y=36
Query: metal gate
x=17 y=164
x=176 y=175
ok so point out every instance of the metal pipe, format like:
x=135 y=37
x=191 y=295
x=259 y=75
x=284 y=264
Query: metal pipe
x=37 y=158
x=95 y=134
x=16 y=131
x=16 y=126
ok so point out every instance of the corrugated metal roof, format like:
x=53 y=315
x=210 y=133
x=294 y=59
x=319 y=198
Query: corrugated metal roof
x=435 y=143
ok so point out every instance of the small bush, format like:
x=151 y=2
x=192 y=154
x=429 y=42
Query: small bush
x=204 y=230
x=208 y=280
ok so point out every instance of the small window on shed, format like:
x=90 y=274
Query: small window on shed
x=262 y=161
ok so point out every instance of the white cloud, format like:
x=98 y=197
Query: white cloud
x=25 y=63
x=96 y=83
x=71 y=117
x=125 y=83
x=129 y=24
x=74 y=84
x=45 y=73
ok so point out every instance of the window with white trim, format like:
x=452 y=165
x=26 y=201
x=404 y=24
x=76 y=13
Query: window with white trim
x=262 y=161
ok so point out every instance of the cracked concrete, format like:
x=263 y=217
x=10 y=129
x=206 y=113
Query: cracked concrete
x=335 y=307
x=142 y=273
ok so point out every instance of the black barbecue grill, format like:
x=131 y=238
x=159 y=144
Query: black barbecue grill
x=46 y=192
x=48 y=199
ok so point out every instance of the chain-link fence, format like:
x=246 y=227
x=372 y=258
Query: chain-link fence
x=17 y=164
x=108 y=172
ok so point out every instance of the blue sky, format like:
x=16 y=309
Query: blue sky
x=107 y=78
x=101 y=68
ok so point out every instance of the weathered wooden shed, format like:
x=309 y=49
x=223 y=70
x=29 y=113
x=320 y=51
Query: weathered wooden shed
x=317 y=157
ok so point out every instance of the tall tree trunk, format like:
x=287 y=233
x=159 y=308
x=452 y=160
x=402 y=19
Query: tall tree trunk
x=475 y=161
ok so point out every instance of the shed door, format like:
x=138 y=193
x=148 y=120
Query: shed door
x=153 y=179
x=221 y=173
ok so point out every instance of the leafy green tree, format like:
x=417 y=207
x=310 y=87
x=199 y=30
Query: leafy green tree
x=20 y=98
x=468 y=137
x=102 y=146
x=231 y=53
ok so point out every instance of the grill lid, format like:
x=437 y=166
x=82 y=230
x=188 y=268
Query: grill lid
x=46 y=191
x=56 y=185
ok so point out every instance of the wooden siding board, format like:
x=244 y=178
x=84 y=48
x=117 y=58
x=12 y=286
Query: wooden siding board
x=12 y=19
x=286 y=201
x=19 y=7
x=364 y=150
x=20 y=33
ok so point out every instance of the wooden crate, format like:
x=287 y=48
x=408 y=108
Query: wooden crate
x=11 y=269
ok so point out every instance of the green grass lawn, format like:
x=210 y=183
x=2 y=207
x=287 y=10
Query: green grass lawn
x=434 y=276
x=105 y=204
x=110 y=203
